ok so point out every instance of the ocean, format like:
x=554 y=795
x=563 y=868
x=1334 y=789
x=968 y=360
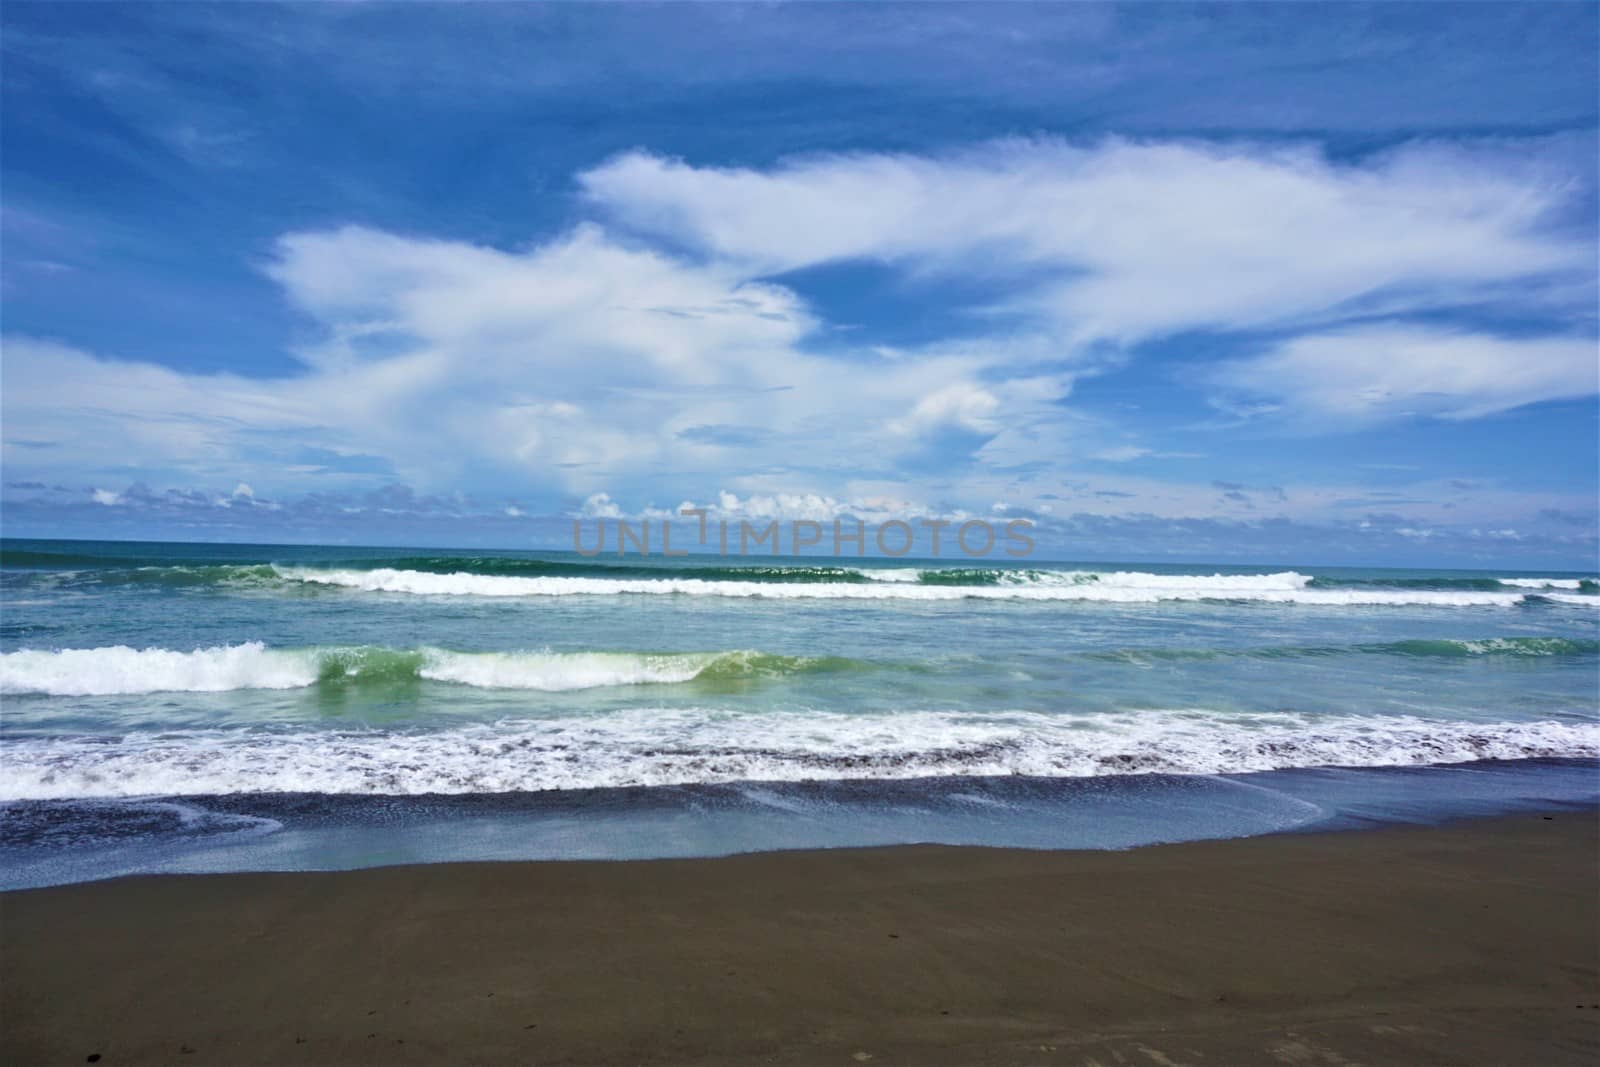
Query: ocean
x=178 y=707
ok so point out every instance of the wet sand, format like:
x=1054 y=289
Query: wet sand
x=1477 y=942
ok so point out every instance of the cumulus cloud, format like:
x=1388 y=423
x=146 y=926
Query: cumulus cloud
x=819 y=507
x=600 y=506
x=576 y=364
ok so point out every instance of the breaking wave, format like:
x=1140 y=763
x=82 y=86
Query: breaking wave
x=491 y=575
x=1574 y=584
x=123 y=670
x=1124 y=587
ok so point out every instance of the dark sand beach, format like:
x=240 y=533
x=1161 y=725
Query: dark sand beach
x=1477 y=942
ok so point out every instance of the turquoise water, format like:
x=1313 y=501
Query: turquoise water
x=154 y=670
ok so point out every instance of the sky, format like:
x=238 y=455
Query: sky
x=1270 y=282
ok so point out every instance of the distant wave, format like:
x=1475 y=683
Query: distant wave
x=123 y=670
x=16 y=557
x=495 y=576
x=1124 y=587
x=1586 y=585
x=662 y=746
x=1550 y=583
x=995 y=584
x=1441 y=648
x=222 y=576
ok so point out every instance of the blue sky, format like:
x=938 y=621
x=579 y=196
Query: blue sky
x=1299 y=282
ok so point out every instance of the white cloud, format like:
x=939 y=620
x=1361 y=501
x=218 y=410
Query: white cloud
x=101 y=413
x=962 y=405
x=595 y=364
x=1126 y=240
x=600 y=506
x=764 y=507
x=1396 y=370
x=585 y=356
x=820 y=507
x=1121 y=454
x=571 y=366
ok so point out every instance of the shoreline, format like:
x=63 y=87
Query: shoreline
x=1475 y=941
x=46 y=843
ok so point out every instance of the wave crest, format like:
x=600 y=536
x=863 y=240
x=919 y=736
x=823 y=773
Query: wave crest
x=119 y=669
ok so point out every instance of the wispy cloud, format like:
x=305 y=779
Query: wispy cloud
x=1127 y=240
x=1393 y=371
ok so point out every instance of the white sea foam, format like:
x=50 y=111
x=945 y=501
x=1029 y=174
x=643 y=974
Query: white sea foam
x=123 y=670
x=891 y=574
x=555 y=672
x=660 y=746
x=120 y=669
x=1542 y=583
x=1123 y=587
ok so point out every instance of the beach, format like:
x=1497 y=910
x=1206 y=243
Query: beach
x=1473 y=942
x=769 y=533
